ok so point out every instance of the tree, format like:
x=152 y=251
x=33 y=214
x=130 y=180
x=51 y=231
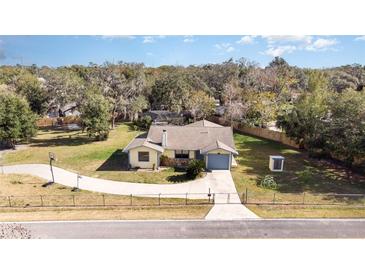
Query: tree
x=95 y=114
x=200 y=105
x=306 y=121
x=136 y=106
x=119 y=84
x=17 y=121
x=62 y=86
x=347 y=126
x=170 y=92
x=29 y=86
x=341 y=80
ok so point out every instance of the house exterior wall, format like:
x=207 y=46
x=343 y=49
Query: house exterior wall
x=171 y=153
x=153 y=159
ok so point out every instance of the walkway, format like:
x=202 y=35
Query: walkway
x=218 y=182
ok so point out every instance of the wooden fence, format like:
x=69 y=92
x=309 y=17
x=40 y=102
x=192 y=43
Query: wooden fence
x=260 y=132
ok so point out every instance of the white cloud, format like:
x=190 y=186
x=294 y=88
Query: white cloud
x=230 y=49
x=246 y=40
x=152 y=39
x=360 y=38
x=149 y=53
x=278 y=45
x=189 y=39
x=113 y=37
x=279 y=50
x=321 y=44
x=227 y=47
x=272 y=39
x=148 y=40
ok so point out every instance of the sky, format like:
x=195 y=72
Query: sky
x=300 y=50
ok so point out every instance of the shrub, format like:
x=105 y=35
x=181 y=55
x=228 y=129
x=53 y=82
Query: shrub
x=166 y=161
x=195 y=168
x=143 y=123
x=306 y=175
x=268 y=182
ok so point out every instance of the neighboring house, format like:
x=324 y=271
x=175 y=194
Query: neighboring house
x=64 y=111
x=203 y=140
x=164 y=117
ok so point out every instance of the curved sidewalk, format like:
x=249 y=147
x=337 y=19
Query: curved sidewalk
x=196 y=188
x=226 y=207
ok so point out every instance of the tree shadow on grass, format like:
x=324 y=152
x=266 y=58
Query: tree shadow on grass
x=118 y=161
x=180 y=178
x=67 y=140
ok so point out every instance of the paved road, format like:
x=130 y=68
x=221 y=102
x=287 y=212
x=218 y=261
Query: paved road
x=258 y=228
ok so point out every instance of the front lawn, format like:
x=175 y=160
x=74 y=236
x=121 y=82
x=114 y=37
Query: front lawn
x=301 y=174
x=101 y=159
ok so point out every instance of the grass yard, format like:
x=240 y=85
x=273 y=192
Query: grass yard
x=102 y=159
x=27 y=191
x=266 y=211
x=301 y=174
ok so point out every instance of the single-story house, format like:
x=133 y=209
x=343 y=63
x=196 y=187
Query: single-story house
x=203 y=140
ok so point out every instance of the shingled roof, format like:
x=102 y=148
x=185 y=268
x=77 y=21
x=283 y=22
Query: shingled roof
x=203 y=123
x=202 y=135
x=191 y=138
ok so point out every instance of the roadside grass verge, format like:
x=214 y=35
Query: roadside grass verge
x=295 y=211
x=108 y=213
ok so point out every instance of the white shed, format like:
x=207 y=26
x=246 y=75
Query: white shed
x=276 y=163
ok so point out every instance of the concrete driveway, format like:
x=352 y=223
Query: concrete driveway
x=227 y=203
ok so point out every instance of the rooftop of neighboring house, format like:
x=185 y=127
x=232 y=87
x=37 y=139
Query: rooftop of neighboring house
x=201 y=135
x=162 y=115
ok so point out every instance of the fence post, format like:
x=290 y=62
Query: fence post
x=73 y=200
x=103 y=199
x=273 y=200
x=9 y=198
x=246 y=196
x=41 y=201
x=303 y=198
x=131 y=199
x=228 y=198
x=213 y=198
x=186 y=198
x=159 y=199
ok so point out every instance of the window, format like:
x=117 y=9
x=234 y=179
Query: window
x=143 y=156
x=182 y=154
x=278 y=164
